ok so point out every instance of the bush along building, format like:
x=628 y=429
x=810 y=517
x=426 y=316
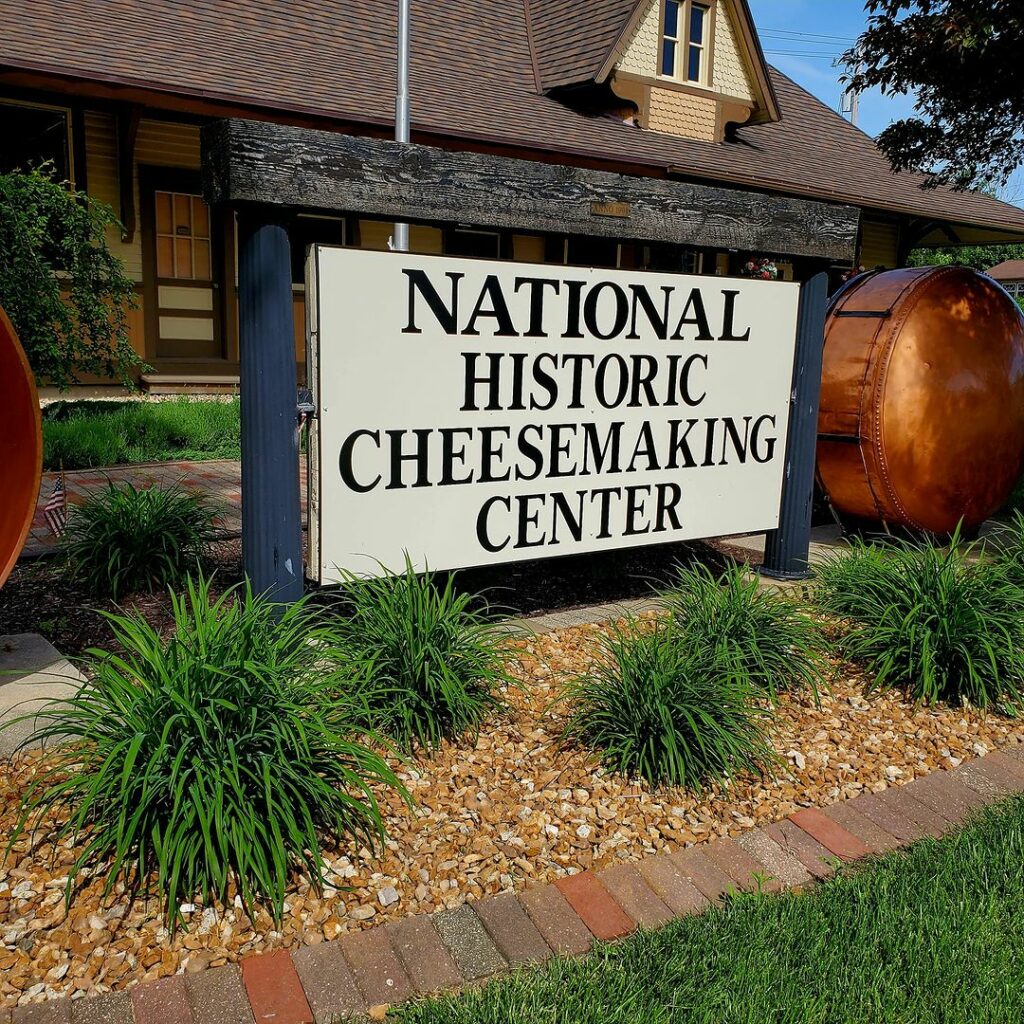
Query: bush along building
x=674 y=94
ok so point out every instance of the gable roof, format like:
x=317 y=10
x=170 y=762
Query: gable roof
x=1009 y=270
x=571 y=48
x=739 y=12
x=472 y=84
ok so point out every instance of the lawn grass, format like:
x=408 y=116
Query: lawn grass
x=80 y=435
x=933 y=934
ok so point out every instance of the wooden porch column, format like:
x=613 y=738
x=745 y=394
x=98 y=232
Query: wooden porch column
x=271 y=515
x=787 y=549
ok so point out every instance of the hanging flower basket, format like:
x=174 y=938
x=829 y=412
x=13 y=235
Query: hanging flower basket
x=762 y=269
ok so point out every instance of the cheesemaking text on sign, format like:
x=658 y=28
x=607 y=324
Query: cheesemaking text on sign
x=474 y=412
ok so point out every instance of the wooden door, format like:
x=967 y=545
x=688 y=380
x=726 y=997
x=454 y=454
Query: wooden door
x=184 y=291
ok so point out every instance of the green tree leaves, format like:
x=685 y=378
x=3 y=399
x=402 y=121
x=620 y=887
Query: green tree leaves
x=67 y=295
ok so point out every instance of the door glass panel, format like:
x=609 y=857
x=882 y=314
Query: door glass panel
x=163 y=214
x=165 y=256
x=200 y=218
x=182 y=237
x=201 y=270
x=182 y=215
x=183 y=257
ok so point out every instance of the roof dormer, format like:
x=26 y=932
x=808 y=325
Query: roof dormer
x=692 y=68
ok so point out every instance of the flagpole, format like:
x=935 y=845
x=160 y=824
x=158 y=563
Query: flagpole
x=400 y=240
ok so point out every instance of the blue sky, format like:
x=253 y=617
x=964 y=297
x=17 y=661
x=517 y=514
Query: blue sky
x=802 y=38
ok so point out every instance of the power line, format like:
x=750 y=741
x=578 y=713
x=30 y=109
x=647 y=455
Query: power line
x=804 y=53
x=781 y=33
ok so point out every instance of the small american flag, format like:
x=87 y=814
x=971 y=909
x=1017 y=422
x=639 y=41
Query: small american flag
x=55 y=511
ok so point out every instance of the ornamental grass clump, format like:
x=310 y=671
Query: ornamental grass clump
x=211 y=759
x=1008 y=545
x=666 y=707
x=121 y=540
x=762 y=635
x=432 y=661
x=931 y=619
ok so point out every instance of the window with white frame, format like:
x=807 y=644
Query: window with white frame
x=684 y=41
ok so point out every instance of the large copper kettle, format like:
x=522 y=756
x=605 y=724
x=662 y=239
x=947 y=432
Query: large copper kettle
x=922 y=399
x=21 y=447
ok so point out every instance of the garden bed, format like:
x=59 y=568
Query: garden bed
x=42 y=597
x=512 y=809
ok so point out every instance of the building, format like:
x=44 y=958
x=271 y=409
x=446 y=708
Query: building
x=1011 y=276
x=116 y=95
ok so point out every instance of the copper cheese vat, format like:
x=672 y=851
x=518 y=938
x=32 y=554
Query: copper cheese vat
x=922 y=398
x=21 y=447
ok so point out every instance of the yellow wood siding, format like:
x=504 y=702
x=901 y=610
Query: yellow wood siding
x=732 y=76
x=168 y=144
x=160 y=143
x=730 y=73
x=101 y=175
x=880 y=244
x=528 y=248
x=679 y=113
x=374 y=234
x=640 y=52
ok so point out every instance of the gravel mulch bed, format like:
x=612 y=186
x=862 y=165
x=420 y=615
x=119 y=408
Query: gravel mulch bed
x=514 y=809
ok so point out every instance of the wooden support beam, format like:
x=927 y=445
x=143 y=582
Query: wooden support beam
x=281 y=165
x=127 y=124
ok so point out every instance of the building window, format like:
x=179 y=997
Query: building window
x=473 y=243
x=672 y=259
x=684 y=41
x=582 y=251
x=36 y=136
x=311 y=229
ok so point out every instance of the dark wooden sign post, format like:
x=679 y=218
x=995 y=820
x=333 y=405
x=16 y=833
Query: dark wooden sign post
x=271 y=503
x=267 y=171
x=787 y=549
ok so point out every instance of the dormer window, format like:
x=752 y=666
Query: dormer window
x=684 y=41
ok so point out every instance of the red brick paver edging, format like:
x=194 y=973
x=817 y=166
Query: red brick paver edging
x=362 y=972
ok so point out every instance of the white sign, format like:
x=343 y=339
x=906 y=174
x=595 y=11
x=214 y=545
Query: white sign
x=474 y=412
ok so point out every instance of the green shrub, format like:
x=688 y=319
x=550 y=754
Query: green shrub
x=214 y=756
x=762 y=635
x=431 y=661
x=81 y=435
x=664 y=706
x=1008 y=545
x=67 y=294
x=121 y=540
x=927 y=618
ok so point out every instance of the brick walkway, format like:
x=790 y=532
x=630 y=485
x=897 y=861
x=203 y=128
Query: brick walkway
x=405 y=959
x=220 y=480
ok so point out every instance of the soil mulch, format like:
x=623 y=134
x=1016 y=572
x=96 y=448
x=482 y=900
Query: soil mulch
x=513 y=808
x=41 y=597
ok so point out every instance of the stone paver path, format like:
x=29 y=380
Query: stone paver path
x=364 y=971
x=221 y=480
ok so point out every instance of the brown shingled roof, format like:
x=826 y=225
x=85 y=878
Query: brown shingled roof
x=1008 y=270
x=472 y=80
x=571 y=46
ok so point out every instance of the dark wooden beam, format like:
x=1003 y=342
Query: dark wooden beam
x=247 y=162
x=127 y=123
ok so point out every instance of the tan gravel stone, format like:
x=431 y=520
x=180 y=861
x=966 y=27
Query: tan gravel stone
x=513 y=809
